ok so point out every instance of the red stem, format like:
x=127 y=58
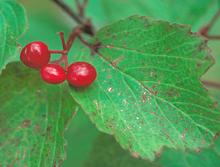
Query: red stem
x=72 y=38
x=57 y=51
x=62 y=40
x=64 y=52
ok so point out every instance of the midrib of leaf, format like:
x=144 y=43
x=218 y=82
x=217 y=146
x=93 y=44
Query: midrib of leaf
x=50 y=109
x=43 y=143
x=59 y=116
x=14 y=16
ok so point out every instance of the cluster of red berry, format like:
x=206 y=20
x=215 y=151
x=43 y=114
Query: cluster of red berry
x=37 y=55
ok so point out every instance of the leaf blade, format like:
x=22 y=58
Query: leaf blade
x=12 y=26
x=176 y=112
x=33 y=119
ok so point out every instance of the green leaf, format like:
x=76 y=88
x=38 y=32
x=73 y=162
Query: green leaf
x=12 y=26
x=196 y=12
x=206 y=158
x=33 y=117
x=107 y=152
x=148 y=92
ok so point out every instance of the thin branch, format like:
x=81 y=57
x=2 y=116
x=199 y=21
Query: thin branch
x=211 y=84
x=72 y=37
x=62 y=40
x=213 y=37
x=85 y=24
x=81 y=7
x=213 y=20
x=205 y=30
x=69 y=11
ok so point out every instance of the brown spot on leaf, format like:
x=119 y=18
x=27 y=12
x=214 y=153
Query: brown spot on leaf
x=26 y=123
x=117 y=61
x=199 y=64
x=172 y=92
x=159 y=152
x=49 y=129
x=110 y=124
x=203 y=142
x=198 y=150
x=110 y=46
x=37 y=128
x=135 y=155
x=144 y=97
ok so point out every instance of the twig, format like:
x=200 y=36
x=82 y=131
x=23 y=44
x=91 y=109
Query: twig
x=81 y=7
x=213 y=20
x=85 y=24
x=63 y=40
x=211 y=84
x=213 y=37
x=72 y=37
x=69 y=11
x=205 y=30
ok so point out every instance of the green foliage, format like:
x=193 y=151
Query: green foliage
x=148 y=92
x=33 y=117
x=12 y=26
x=206 y=158
x=106 y=150
x=81 y=135
x=196 y=12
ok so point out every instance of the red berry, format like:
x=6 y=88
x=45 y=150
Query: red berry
x=81 y=74
x=35 y=55
x=53 y=73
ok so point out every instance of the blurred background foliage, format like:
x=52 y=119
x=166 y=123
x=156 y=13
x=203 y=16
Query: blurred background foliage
x=46 y=20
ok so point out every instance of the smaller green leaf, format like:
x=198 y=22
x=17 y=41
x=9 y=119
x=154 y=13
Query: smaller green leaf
x=12 y=26
x=33 y=117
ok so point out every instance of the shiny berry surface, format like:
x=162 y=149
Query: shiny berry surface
x=35 y=55
x=53 y=74
x=81 y=74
